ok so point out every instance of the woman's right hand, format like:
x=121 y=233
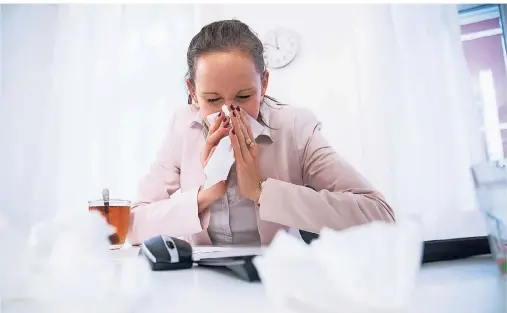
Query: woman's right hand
x=217 y=131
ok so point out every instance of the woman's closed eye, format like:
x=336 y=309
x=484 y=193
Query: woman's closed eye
x=243 y=97
x=214 y=100
x=237 y=97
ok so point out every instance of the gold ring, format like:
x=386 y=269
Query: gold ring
x=248 y=141
x=251 y=144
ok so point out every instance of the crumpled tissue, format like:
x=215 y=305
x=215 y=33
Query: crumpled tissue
x=368 y=268
x=219 y=165
x=65 y=265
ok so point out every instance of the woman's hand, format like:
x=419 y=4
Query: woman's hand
x=246 y=154
x=217 y=131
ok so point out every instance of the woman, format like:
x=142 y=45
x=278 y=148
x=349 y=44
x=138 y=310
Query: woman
x=265 y=190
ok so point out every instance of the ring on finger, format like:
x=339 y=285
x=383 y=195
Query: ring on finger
x=249 y=142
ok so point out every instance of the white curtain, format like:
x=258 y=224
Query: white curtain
x=411 y=112
x=87 y=104
x=88 y=91
x=410 y=106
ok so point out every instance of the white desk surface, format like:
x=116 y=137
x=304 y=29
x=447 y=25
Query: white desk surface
x=465 y=286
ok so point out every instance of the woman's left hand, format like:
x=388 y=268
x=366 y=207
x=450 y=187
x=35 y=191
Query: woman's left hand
x=246 y=154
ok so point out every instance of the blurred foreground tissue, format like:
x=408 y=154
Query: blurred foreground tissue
x=369 y=268
x=64 y=265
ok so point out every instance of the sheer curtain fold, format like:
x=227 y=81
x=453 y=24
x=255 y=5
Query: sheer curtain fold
x=124 y=76
x=419 y=127
x=114 y=75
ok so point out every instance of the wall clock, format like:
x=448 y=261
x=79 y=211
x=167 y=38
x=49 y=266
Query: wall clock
x=281 y=46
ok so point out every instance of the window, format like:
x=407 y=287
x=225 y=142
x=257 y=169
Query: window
x=482 y=34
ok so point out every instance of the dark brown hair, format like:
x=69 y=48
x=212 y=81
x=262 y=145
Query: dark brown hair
x=224 y=36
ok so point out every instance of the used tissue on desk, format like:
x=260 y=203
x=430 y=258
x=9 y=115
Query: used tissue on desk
x=368 y=268
x=69 y=268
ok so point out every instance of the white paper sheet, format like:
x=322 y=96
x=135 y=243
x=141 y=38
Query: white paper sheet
x=208 y=252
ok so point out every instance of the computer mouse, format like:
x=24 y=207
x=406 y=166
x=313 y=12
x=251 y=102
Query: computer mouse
x=166 y=253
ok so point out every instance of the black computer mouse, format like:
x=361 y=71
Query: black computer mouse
x=166 y=253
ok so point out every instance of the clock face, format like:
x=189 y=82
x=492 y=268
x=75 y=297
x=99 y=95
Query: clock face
x=280 y=47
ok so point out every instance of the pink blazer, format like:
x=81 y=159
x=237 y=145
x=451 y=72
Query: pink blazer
x=296 y=155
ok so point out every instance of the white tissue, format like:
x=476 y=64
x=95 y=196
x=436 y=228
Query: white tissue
x=219 y=165
x=368 y=268
x=212 y=117
x=65 y=265
x=256 y=126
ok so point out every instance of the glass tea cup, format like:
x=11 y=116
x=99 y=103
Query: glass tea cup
x=117 y=214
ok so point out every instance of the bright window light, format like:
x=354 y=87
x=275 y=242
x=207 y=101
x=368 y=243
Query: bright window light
x=491 y=119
